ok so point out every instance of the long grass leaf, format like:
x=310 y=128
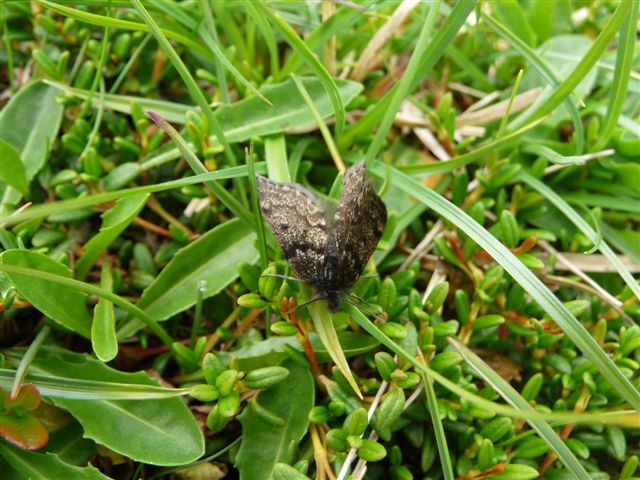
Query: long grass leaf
x=410 y=78
x=93 y=290
x=545 y=71
x=438 y=428
x=323 y=323
x=558 y=94
x=510 y=394
x=196 y=165
x=118 y=23
x=61 y=206
x=626 y=419
x=445 y=35
x=545 y=298
x=583 y=226
x=621 y=76
x=79 y=389
x=269 y=37
x=194 y=91
x=326 y=134
x=312 y=61
x=479 y=153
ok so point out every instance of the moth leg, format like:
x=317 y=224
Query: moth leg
x=316 y=298
x=371 y=309
x=368 y=275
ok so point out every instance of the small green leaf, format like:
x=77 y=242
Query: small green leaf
x=390 y=409
x=265 y=377
x=371 y=451
x=487 y=321
x=516 y=471
x=531 y=448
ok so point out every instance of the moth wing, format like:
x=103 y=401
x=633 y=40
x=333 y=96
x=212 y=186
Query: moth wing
x=359 y=222
x=298 y=221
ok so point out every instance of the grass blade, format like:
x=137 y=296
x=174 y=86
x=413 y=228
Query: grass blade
x=583 y=226
x=312 y=61
x=556 y=310
x=542 y=108
x=622 y=74
x=544 y=70
x=411 y=77
x=510 y=394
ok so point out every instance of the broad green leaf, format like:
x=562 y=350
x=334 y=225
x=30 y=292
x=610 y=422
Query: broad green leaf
x=69 y=445
x=265 y=440
x=46 y=466
x=114 y=221
x=627 y=241
x=61 y=303
x=156 y=431
x=12 y=170
x=213 y=258
x=576 y=45
x=247 y=118
x=29 y=122
x=548 y=103
x=545 y=72
x=170 y=111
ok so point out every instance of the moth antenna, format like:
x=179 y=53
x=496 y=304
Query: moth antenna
x=285 y=277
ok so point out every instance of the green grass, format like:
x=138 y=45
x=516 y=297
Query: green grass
x=131 y=239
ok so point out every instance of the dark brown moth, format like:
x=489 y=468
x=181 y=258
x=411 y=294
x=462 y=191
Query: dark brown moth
x=325 y=249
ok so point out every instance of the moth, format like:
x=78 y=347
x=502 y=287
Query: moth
x=326 y=247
